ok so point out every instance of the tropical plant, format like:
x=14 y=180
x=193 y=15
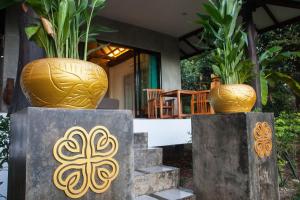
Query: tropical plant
x=195 y=72
x=227 y=40
x=63 y=24
x=4 y=140
x=269 y=76
x=287 y=129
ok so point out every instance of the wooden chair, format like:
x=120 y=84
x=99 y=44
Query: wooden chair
x=153 y=103
x=200 y=103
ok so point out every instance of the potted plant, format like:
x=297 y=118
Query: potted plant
x=62 y=79
x=228 y=40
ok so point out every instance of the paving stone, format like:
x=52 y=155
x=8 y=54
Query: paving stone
x=156 y=179
x=174 y=194
x=147 y=157
x=141 y=140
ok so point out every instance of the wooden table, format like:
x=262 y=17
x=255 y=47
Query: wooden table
x=177 y=94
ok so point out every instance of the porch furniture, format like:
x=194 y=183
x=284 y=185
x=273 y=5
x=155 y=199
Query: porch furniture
x=200 y=103
x=215 y=81
x=176 y=94
x=154 y=103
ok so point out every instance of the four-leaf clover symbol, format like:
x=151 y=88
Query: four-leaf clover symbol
x=86 y=161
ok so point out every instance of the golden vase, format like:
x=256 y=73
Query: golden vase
x=64 y=83
x=232 y=98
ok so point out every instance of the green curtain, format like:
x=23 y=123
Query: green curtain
x=153 y=81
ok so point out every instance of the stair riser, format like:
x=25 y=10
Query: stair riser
x=147 y=157
x=140 y=140
x=151 y=183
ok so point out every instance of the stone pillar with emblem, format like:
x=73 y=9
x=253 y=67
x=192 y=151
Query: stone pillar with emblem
x=234 y=157
x=71 y=154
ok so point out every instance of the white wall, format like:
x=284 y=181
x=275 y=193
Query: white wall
x=164 y=132
x=116 y=80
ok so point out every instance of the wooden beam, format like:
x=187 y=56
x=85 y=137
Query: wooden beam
x=283 y=3
x=190 y=34
x=190 y=55
x=271 y=15
x=191 y=45
x=121 y=58
x=280 y=25
x=183 y=52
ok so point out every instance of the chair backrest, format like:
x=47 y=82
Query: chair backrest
x=153 y=93
x=202 y=103
x=215 y=81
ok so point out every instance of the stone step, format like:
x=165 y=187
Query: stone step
x=174 y=194
x=145 y=197
x=154 y=179
x=147 y=157
x=171 y=194
x=140 y=140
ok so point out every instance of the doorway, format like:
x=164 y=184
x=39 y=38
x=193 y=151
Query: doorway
x=130 y=71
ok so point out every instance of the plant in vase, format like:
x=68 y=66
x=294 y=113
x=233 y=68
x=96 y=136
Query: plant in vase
x=222 y=32
x=62 y=79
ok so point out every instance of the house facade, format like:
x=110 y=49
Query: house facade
x=145 y=50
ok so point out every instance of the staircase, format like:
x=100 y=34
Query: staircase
x=152 y=180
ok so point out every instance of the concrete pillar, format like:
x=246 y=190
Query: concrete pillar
x=234 y=157
x=64 y=154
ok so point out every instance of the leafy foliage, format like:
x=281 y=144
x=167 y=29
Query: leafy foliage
x=195 y=72
x=62 y=25
x=269 y=76
x=228 y=40
x=287 y=127
x=4 y=140
x=280 y=96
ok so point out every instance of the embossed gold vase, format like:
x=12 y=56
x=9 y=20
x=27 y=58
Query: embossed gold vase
x=232 y=98
x=64 y=83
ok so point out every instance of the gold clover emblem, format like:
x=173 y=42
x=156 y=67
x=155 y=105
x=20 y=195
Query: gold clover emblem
x=262 y=139
x=86 y=161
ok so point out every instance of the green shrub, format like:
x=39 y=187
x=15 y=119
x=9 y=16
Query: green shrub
x=287 y=127
x=4 y=140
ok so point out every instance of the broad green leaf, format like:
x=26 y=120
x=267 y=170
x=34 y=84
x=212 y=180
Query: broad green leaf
x=269 y=53
x=37 y=6
x=216 y=70
x=98 y=3
x=31 y=31
x=293 y=84
x=213 y=12
x=82 y=6
x=61 y=18
x=264 y=88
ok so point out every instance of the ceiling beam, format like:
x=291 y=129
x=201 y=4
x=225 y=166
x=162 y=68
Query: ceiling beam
x=280 y=24
x=189 y=55
x=191 y=45
x=284 y=3
x=271 y=15
x=183 y=52
x=190 y=34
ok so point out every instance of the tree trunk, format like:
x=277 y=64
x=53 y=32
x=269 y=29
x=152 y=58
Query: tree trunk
x=28 y=52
